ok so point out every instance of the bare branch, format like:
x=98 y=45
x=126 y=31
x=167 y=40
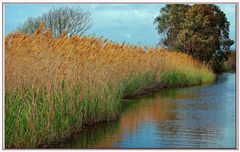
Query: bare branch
x=73 y=21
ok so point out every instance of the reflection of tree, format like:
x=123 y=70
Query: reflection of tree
x=221 y=78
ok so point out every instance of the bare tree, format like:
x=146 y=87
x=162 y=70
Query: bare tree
x=73 y=21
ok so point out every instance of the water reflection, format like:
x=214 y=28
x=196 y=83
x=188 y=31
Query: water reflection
x=196 y=117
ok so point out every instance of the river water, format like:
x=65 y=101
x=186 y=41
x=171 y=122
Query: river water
x=194 y=117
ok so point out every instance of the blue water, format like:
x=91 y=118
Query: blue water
x=194 y=117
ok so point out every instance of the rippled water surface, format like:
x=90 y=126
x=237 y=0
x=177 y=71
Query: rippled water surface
x=195 y=117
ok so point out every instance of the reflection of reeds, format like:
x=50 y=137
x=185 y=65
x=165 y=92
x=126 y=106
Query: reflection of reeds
x=55 y=85
x=155 y=108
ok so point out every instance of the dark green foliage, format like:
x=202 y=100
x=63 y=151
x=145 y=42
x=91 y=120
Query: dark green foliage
x=200 y=30
x=230 y=64
x=218 y=59
x=169 y=22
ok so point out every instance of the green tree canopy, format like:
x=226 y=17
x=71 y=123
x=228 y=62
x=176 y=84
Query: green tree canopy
x=169 y=22
x=200 y=30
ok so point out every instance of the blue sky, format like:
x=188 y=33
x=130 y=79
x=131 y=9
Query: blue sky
x=132 y=23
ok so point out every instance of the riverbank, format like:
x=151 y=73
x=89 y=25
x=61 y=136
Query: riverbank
x=89 y=118
x=57 y=85
x=189 y=117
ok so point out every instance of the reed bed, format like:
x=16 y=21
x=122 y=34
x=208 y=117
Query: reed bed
x=55 y=86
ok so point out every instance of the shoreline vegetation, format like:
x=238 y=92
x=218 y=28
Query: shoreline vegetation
x=55 y=86
x=230 y=64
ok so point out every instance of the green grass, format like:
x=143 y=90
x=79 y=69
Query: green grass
x=137 y=82
x=187 y=78
x=36 y=116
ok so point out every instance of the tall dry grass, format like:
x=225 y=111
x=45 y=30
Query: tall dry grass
x=53 y=86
